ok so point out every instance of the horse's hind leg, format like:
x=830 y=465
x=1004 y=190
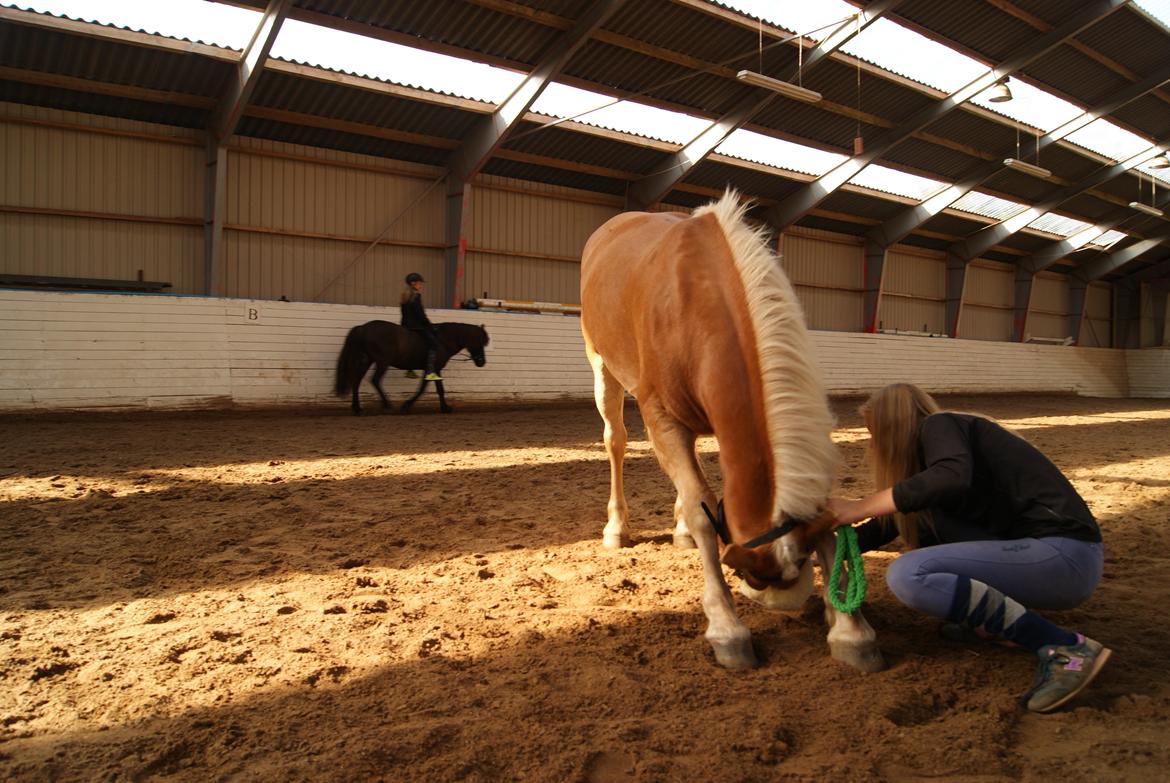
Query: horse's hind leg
x=359 y=372
x=674 y=445
x=443 y=406
x=379 y=371
x=851 y=639
x=406 y=406
x=609 y=396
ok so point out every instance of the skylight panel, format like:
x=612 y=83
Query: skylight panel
x=1159 y=9
x=1108 y=239
x=1052 y=223
x=988 y=206
x=897 y=182
x=1105 y=138
x=562 y=101
x=358 y=54
x=1031 y=106
x=905 y=52
x=787 y=155
x=195 y=20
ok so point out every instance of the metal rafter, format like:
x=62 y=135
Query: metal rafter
x=1119 y=258
x=793 y=207
x=491 y=131
x=1048 y=256
x=985 y=238
x=226 y=115
x=653 y=187
x=898 y=227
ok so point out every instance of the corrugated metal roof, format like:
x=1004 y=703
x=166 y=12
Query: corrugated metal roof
x=657 y=33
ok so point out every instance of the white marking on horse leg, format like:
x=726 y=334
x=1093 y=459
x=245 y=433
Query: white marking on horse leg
x=851 y=639
x=682 y=534
x=609 y=396
x=674 y=445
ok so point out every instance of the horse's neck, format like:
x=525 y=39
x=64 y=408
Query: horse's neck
x=747 y=466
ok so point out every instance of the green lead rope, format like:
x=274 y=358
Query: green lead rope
x=855 y=578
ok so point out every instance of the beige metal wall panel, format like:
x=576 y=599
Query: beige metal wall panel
x=1046 y=325
x=93 y=197
x=317 y=197
x=1047 y=312
x=263 y=266
x=826 y=271
x=114 y=250
x=913 y=287
x=1097 y=323
x=527 y=279
x=988 y=301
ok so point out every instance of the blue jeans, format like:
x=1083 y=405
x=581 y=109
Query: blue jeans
x=1039 y=573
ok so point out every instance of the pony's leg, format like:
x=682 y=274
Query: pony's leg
x=610 y=396
x=359 y=372
x=682 y=534
x=851 y=639
x=406 y=406
x=674 y=445
x=376 y=379
x=443 y=406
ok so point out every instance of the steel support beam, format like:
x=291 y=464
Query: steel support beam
x=1075 y=318
x=956 y=280
x=898 y=227
x=1048 y=256
x=490 y=133
x=986 y=238
x=214 y=201
x=1023 y=301
x=226 y=115
x=873 y=269
x=653 y=187
x=792 y=208
x=1119 y=258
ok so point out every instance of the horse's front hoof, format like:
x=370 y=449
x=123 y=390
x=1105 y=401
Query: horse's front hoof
x=684 y=541
x=615 y=541
x=863 y=657
x=446 y=409
x=735 y=654
x=357 y=411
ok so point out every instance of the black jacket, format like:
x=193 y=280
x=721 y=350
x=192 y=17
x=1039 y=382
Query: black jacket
x=413 y=314
x=980 y=482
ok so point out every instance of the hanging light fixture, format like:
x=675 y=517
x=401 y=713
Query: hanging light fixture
x=787 y=89
x=1160 y=161
x=1000 y=92
x=1148 y=209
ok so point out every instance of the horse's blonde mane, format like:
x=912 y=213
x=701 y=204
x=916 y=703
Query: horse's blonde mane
x=795 y=406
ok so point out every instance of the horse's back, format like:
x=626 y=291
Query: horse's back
x=663 y=305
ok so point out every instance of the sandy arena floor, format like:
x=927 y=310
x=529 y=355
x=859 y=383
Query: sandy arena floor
x=309 y=596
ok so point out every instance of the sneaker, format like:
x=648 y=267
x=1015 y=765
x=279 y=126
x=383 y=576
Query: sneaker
x=433 y=376
x=1064 y=671
x=411 y=374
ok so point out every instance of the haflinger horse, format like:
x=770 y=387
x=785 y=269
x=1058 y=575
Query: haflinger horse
x=386 y=344
x=695 y=318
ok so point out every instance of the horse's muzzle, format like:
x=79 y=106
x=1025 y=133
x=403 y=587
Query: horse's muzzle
x=759 y=567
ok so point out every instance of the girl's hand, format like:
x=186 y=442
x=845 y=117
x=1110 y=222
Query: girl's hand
x=846 y=511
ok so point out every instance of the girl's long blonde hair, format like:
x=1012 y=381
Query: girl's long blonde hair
x=894 y=417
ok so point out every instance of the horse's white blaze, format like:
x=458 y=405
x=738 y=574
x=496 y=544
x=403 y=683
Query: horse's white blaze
x=779 y=600
x=795 y=405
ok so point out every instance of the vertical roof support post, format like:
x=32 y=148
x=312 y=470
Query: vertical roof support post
x=1126 y=316
x=214 y=208
x=1075 y=319
x=1023 y=302
x=456 y=224
x=956 y=281
x=873 y=272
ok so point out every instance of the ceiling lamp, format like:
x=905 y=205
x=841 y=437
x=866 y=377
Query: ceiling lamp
x=1140 y=207
x=787 y=89
x=1160 y=161
x=1027 y=168
x=1000 y=92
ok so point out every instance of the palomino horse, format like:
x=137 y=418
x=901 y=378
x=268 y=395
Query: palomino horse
x=695 y=318
x=384 y=345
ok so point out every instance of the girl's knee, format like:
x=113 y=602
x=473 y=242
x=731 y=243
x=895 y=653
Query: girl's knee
x=904 y=578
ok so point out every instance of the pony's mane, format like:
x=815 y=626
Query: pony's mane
x=795 y=406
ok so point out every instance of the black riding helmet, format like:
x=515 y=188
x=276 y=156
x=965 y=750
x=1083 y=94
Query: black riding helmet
x=414 y=277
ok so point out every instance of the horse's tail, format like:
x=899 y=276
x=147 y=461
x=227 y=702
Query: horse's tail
x=348 y=360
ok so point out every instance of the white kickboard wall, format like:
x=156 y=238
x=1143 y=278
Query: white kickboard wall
x=78 y=350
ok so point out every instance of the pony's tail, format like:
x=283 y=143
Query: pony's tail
x=347 y=360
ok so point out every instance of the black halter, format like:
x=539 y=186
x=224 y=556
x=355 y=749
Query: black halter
x=719 y=522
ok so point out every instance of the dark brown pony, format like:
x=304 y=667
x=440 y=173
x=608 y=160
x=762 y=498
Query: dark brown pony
x=695 y=318
x=384 y=345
